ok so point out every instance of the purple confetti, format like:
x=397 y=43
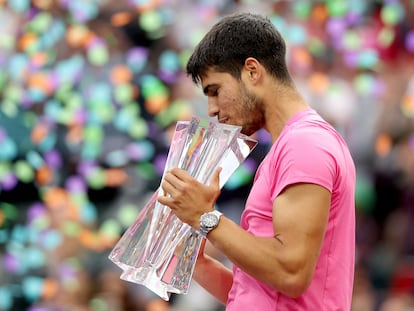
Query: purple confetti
x=75 y=184
x=159 y=163
x=336 y=26
x=86 y=167
x=9 y=182
x=11 y=263
x=409 y=41
x=53 y=159
x=3 y=135
x=35 y=211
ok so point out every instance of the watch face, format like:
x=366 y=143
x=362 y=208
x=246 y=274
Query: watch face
x=209 y=220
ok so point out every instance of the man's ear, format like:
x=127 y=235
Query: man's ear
x=254 y=69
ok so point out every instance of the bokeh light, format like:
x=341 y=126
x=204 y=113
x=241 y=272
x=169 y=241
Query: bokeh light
x=89 y=91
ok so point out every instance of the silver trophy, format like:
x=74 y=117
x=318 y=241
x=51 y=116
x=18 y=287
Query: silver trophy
x=158 y=250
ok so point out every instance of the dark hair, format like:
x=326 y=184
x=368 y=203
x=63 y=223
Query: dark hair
x=235 y=38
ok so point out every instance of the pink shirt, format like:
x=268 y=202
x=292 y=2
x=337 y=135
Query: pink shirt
x=308 y=150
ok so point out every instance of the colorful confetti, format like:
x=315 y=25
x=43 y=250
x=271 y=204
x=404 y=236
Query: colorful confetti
x=90 y=89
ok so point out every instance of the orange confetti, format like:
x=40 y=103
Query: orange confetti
x=301 y=57
x=75 y=133
x=407 y=105
x=319 y=82
x=39 y=58
x=59 y=201
x=50 y=288
x=121 y=74
x=107 y=241
x=2 y=218
x=319 y=14
x=90 y=240
x=55 y=197
x=121 y=19
x=383 y=144
x=148 y=6
x=43 y=4
x=26 y=41
x=39 y=133
x=115 y=177
x=44 y=175
x=89 y=39
x=72 y=210
x=158 y=305
x=78 y=35
x=156 y=104
x=41 y=81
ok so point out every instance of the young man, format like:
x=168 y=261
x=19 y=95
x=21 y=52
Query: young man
x=294 y=248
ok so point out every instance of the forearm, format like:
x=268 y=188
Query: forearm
x=214 y=277
x=266 y=259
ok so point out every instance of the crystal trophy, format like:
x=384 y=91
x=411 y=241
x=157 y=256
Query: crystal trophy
x=158 y=250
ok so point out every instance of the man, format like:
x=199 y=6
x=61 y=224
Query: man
x=294 y=248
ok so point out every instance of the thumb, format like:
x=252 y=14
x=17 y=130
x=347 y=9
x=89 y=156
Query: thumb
x=215 y=179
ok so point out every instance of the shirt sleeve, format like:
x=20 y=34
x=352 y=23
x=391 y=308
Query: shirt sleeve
x=303 y=157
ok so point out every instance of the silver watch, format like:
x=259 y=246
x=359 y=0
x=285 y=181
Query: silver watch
x=208 y=221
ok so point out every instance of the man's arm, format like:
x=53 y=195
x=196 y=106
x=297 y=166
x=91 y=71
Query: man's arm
x=285 y=261
x=213 y=276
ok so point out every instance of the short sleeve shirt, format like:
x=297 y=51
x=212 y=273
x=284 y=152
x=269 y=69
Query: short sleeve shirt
x=308 y=150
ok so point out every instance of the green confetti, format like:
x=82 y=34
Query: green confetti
x=40 y=23
x=98 y=55
x=9 y=210
x=151 y=21
x=96 y=179
x=386 y=36
x=352 y=40
x=146 y=170
x=139 y=129
x=71 y=228
x=124 y=93
x=392 y=13
x=127 y=214
x=302 y=9
x=93 y=134
x=337 y=8
x=110 y=228
x=24 y=171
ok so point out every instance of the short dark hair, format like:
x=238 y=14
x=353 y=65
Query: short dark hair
x=235 y=38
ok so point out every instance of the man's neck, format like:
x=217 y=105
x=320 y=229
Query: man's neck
x=281 y=105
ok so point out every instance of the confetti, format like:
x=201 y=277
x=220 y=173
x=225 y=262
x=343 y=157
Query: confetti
x=88 y=93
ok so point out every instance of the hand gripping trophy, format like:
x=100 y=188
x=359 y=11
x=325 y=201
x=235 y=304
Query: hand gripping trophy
x=158 y=250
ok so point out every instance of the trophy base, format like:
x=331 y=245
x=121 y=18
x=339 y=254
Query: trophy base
x=147 y=276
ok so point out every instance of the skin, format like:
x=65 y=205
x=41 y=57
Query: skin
x=300 y=213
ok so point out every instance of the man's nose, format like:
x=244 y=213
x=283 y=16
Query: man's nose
x=212 y=107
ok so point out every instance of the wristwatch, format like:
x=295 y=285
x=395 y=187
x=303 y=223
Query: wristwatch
x=208 y=221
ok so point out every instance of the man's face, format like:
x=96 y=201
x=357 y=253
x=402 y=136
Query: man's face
x=231 y=102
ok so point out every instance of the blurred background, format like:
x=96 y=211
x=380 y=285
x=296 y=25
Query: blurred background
x=90 y=91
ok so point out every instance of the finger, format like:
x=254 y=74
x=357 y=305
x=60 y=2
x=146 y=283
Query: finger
x=165 y=200
x=175 y=180
x=168 y=188
x=181 y=174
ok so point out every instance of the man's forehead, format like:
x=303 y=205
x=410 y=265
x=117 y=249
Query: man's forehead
x=212 y=76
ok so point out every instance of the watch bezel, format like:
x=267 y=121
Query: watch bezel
x=209 y=221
